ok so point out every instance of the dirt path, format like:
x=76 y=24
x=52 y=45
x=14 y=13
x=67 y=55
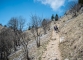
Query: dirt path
x=52 y=52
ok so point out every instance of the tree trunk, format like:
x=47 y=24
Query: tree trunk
x=27 y=55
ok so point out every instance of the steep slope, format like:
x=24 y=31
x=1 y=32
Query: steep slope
x=72 y=44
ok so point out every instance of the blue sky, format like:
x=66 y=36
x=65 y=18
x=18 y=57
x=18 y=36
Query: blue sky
x=24 y=8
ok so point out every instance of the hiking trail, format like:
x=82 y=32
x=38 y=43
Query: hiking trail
x=52 y=52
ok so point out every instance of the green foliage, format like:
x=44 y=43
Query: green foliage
x=52 y=17
x=29 y=28
x=44 y=25
x=80 y=1
x=56 y=17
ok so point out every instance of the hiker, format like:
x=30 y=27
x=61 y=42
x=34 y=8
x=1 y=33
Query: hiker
x=56 y=28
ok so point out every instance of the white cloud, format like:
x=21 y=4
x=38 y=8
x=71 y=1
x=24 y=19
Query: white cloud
x=54 y=4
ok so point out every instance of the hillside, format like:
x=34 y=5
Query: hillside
x=72 y=33
x=66 y=44
x=70 y=38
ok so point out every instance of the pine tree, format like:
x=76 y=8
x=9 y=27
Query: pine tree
x=56 y=17
x=80 y=1
x=29 y=28
x=52 y=17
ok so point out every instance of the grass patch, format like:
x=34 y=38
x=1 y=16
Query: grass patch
x=42 y=49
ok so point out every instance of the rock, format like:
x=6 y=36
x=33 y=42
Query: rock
x=61 y=39
x=52 y=44
x=56 y=59
x=43 y=56
x=66 y=59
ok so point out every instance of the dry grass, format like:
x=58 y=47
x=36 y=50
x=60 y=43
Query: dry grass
x=72 y=30
x=42 y=49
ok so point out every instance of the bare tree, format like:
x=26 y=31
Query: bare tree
x=36 y=23
x=74 y=8
x=10 y=37
x=21 y=23
x=48 y=24
x=44 y=25
x=24 y=42
x=17 y=25
x=6 y=43
x=13 y=23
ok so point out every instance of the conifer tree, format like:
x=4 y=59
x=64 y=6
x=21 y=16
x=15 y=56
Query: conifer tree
x=52 y=17
x=80 y=1
x=56 y=17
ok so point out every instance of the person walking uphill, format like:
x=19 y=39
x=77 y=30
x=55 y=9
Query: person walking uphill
x=56 y=29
